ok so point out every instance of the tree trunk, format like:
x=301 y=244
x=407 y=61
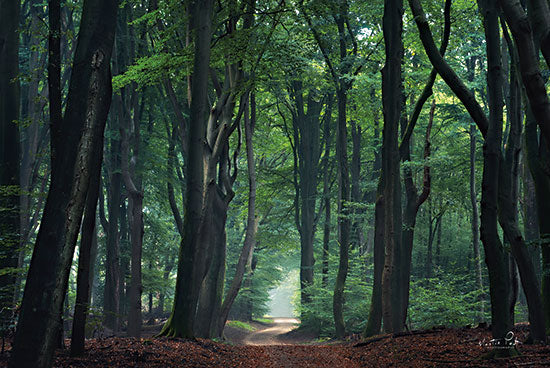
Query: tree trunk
x=475 y=223
x=245 y=257
x=508 y=212
x=392 y=90
x=306 y=128
x=530 y=216
x=537 y=157
x=135 y=205
x=111 y=293
x=495 y=254
x=9 y=155
x=375 y=313
x=211 y=292
x=84 y=257
x=72 y=140
x=343 y=218
x=527 y=49
x=413 y=201
x=326 y=192
x=357 y=237
x=190 y=270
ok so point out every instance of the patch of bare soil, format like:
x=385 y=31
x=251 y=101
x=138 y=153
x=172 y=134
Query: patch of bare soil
x=269 y=334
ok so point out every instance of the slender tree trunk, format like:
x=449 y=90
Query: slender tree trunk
x=135 y=194
x=357 y=237
x=72 y=140
x=530 y=216
x=508 y=197
x=326 y=193
x=475 y=223
x=306 y=129
x=495 y=254
x=413 y=201
x=111 y=299
x=245 y=257
x=392 y=90
x=84 y=258
x=343 y=218
x=537 y=157
x=375 y=313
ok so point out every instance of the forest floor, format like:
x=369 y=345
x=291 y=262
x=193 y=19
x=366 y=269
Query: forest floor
x=266 y=347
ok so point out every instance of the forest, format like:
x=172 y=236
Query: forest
x=358 y=176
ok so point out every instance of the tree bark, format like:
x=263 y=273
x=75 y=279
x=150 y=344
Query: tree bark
x=537 y=157
x=245 y=258
x=495 y=255
x=475 y=223
x=375 y=313
x=307 y=128
x=326 y=193
x=343 y=219
x=508 y=197
x=111 y=299
x=392 y=90
x=533 y=80
x=85 y=260
x=190 y=269
x=72 y=140
x=410 y=211
x=445 y=71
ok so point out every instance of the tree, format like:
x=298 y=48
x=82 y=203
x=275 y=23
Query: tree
x=498 y=274
x=307 y=128
x=191 y=258
x=72 y=139
x=392 y=96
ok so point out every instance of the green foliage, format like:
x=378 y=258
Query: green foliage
x=447 y=300
x=241 y=325
x=318 y=316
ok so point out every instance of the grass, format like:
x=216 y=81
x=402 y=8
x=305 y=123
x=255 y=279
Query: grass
x=242 y=325
x=266 y=321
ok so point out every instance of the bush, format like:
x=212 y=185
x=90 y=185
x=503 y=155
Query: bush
x=448 y=300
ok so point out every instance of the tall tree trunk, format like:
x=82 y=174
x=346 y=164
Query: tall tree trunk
x=111 y=292
x=306 y=129
x=508 y=210
x=375 y=313
x=343 y=212
x=9 y=154
x=392 y=90
x=326 y=193
x=413 y=201
x=84 y=257
x=475 y=223
x=357 y=238
x=530 y=216
x=495 y=254
x=537 y=157
x=190 y=270
x=72 y=140
x=245 y=258
x=135 y=204
x=528 y=52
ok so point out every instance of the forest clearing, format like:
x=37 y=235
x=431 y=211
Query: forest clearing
x=375 y=174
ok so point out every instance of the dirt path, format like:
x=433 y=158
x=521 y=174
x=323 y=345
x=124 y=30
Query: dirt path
x=269 y=334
